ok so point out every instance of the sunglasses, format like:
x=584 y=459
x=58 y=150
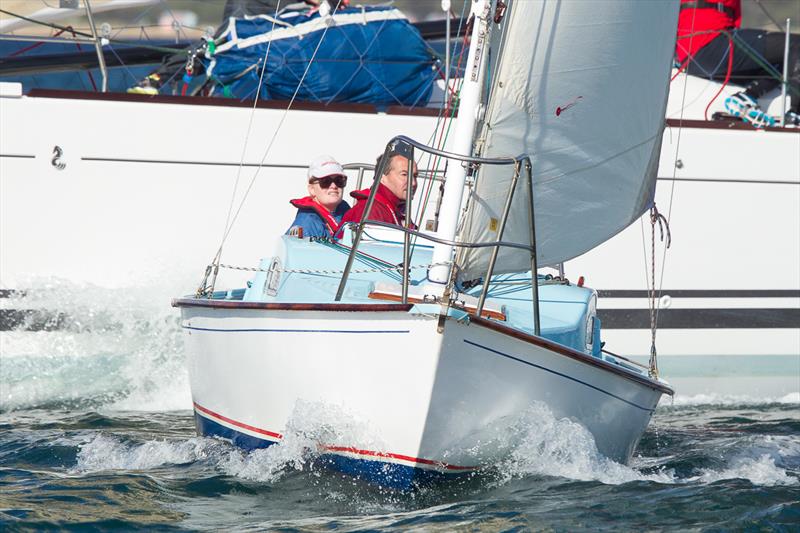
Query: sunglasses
x=326 y=182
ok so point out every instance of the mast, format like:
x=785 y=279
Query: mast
x=468 y=111
x=98 y=46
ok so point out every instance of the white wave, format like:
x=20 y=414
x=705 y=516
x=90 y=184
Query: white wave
x=110 y=453
x=564 y=448
x=118 y=349
x=537 y=444
x=759 y=471
x=105 y=452
x=311 y=426
x=760 y=459
x=730 y=399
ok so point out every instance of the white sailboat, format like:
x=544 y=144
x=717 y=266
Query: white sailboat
x=436 y=357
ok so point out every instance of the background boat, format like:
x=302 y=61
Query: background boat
x=77 y=183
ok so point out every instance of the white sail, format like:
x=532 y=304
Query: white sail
x=580 y=86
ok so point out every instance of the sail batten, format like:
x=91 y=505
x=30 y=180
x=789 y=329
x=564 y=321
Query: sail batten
x=580 y=87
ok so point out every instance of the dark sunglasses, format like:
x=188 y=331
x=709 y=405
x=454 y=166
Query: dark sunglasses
x=326 y=182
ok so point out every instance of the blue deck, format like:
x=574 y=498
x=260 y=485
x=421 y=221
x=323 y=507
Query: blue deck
x=310 y=273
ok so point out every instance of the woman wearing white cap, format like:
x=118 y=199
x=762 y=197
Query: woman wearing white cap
x=319 y=213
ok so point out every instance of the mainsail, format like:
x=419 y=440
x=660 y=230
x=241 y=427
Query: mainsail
x=580 y=86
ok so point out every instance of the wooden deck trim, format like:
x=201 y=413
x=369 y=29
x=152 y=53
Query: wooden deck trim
x=489 y=313
x=568 y=352
x=270 y=306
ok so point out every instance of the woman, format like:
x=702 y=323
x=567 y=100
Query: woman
x=319 y=213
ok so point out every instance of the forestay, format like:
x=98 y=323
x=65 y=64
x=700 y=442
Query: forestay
x=581 y=87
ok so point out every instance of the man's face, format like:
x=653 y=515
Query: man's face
x=396 y=180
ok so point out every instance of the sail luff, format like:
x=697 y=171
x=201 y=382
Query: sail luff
x=581 y=87
x=470 y=100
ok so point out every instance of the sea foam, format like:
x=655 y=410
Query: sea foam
x=115 y=349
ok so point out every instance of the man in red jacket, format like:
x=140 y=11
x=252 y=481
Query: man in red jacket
x=709 y=32
x=389 y=204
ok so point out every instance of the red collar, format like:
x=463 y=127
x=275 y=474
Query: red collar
x=384 y=197
x=325 y=215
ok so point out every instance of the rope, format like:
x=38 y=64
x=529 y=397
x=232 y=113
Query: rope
x=228 y=222
x=323 y=271
x=203 y=288
x=656 y=217
x=446 y=122
x=727 y=78
x=769 y=69
x=84 y=34
x=652 y=300
x=663 y=225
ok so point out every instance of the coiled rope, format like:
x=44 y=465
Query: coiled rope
x=656 y=218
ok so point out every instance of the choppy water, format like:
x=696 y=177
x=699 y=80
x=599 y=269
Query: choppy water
x=95 y=430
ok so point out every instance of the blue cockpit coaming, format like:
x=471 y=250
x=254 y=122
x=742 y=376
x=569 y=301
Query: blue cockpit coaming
x=309 y=271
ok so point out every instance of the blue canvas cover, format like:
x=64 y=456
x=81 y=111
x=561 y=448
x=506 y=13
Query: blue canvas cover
x=371 y=55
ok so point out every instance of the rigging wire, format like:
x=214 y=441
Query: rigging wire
x=768 y=14
x=768 y=68
x=132 y=23
x=76 y=32
x=444 y=133
x=228 y=222
x=654 y=309
x=175 y=23
x=727 y=77
x=249 y=128
x=215 y=264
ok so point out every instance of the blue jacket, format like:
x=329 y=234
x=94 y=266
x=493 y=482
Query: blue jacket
x=315 y=221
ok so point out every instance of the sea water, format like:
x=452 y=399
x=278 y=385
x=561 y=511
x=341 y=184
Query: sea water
x=96 y=431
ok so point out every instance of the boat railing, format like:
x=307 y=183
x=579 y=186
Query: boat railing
x=406 y=146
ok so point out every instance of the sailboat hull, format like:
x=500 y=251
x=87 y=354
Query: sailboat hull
x=391 y=399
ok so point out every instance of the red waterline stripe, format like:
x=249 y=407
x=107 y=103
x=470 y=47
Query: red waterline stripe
x=398 y=456
x=338 y=448
x=235 y=423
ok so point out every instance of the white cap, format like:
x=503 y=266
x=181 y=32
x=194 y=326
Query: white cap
x=324 y=165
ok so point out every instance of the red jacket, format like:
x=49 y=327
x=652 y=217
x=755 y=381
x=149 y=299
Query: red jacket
x=316 y=228
x=694 y=21
x=386 y=207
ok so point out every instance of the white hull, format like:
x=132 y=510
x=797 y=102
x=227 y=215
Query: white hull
x=146 y=184
x=404 y=394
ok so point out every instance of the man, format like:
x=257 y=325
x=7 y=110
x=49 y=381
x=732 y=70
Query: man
x=389 y=205
x=711 y=44
x=320 y=213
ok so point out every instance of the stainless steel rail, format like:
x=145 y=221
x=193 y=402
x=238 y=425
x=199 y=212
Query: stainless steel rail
x=520 y=163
